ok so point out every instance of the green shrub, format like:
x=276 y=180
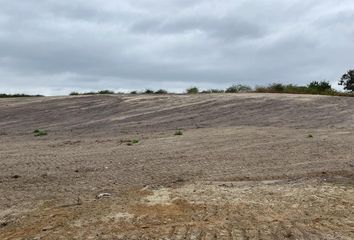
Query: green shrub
x=149 y=91
x=39 y=133
x=161 y=91
x=314 y=87
x=178 y=132
x=245 y=88
x=132 y=142
x=105 y=92
x=261 y=89
x=88 y=93
x=277 y=87
x=320 y=87
x=192 y=90
x=74 y=94
x=272 y=88
x=238 y=88
x=133 y=92
x=4 y=95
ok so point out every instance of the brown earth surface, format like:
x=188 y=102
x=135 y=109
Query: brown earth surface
x=248 y=166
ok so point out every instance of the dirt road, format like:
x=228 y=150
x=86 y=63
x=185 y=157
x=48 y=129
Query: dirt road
x=248 y=166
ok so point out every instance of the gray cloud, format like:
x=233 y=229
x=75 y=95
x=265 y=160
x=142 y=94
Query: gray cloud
x=54 y=47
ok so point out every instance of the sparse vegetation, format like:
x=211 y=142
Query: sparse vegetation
x=88 y=93
x=178 y=132
x=39 y=133
x=237 y=88
x=148 y=91
x=315 y=87
x=192 y=90
x=319 y=87
x=157 y=151
x=322 y=87
x=161 y=91
x=132 y=142
x=105 y=92
x=4 y=95
x=75 y=93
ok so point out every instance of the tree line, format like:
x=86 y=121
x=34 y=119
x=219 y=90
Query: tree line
x=314 y=87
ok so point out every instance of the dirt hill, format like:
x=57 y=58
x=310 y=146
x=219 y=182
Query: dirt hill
x=247 y=166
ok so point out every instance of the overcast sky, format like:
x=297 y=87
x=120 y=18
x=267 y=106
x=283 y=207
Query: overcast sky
x=57 y=46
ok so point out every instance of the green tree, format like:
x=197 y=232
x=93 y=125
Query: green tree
x=347 y=80
x=320 y=86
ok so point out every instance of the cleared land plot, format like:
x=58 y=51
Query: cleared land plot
x=248 y=166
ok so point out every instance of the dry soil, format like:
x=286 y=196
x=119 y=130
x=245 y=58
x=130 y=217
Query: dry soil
x=248 y=166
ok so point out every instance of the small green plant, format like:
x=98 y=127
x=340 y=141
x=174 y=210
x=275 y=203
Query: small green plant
x=132 y=142
x=39 y=133
x=192 y=90
x=178 y=132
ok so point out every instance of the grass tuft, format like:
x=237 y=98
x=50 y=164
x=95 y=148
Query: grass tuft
x=133 y=142
x=39 y=133
x=178 y=132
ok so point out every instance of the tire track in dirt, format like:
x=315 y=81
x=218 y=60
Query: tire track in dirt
x=226 y=137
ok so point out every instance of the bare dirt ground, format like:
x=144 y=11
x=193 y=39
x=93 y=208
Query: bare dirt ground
x=245 y=167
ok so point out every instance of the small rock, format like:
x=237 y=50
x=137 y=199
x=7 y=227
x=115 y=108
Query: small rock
x=15 y=176
x=352 y=165
x=47 y=228
x=101 y=195
x=3 y=224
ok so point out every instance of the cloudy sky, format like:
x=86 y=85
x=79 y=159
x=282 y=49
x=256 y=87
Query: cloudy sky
x=57 y=46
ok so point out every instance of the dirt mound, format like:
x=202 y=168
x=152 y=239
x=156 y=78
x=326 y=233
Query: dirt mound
x=121 y=114
x=243 y=144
